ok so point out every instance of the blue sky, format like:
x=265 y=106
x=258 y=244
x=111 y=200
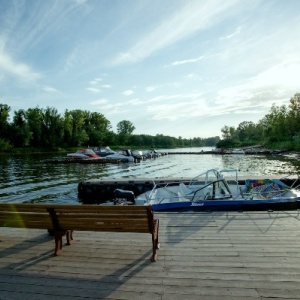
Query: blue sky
x=171 y=67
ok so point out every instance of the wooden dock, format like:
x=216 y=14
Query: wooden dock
x=219 y=255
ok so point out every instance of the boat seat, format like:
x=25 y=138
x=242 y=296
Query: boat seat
x=288 y=194
x=186 y=191
x=182 y=197
x=162 y=196
x=203 y=194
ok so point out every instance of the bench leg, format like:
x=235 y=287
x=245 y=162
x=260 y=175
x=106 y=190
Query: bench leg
x=58 y=242
x=155 y=244
x=69 y=236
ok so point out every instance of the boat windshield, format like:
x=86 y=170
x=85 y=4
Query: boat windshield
x=216 y=190
x=206 y=177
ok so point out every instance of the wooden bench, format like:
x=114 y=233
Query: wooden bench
x=64 y=219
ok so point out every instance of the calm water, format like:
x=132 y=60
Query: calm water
x=28 y=179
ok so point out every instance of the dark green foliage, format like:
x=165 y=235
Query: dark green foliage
x=280 y=128
x=4 y=145
x=47 y=129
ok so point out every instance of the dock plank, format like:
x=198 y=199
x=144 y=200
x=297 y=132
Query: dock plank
x=218 y=255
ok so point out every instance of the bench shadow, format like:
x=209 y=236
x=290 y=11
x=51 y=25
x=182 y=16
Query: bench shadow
x=70 y=286
x=26 y=244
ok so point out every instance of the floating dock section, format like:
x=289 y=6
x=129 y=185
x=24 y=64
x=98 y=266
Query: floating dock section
x=100 y=191
x=97 y=191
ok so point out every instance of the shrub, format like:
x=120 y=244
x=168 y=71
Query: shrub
x=5 y=145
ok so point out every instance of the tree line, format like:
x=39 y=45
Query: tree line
x=280 y=128
x=46 y=128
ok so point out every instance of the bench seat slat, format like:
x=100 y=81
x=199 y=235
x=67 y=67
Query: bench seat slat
x=25 y=215
x=69 y=223
x=101 y=212
x=85 y=219
x=73 y=224
x=101 y=217
x=17 y=224
x=4 y=207
x=105 y=208
x=22 y=220
x=106 y=227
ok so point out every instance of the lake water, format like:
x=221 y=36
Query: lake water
x=27 y=178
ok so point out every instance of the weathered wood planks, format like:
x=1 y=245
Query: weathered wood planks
x=224 y=256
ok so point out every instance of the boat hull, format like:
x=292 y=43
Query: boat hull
x=229 y=205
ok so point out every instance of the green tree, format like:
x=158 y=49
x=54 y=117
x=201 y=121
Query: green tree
x=111 y=139
x=52 y=127
x=136 y=140
x=148 y=141
x=124 y=129
x=246 y=131
x=278 y=123
x=21 y=134
x=97 y=128
x=228 y=133
x=293 y=117
x=4 y=121
x=211 y=142
x=34 y=118
x=74 y=128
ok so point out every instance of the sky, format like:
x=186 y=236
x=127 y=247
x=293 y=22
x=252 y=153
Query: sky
x=172 y=67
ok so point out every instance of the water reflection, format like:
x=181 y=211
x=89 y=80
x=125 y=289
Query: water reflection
x=260 y=165
x=28 y=179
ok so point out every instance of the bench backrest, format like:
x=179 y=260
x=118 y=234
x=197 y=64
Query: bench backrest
x=24 y=216
x=130 y=218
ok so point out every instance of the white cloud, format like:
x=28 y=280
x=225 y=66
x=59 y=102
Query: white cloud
x=285 y=74
x=115 y=108
x=96 y=87
x=95 y=81
x=150 y=88
x=80 y=2
x=244 y=99
x=93 y=90
x=99 y=101
x=72 y=59
x=232 y=58
x=192 y=77
x=187 y=61
x=277 y=83
x=229 y=36
x=128 y=93
x=180 y=110
x=49 y=89
x=136 y=102
x=194 y=16
x=18 y=70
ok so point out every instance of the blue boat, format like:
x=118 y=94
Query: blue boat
x=210 y=191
